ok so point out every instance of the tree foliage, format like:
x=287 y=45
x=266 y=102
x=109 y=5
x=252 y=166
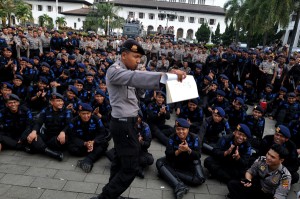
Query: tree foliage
x=203 y=33
x=216 y=37
x=46 y=20
x=61 y=22
x=98 y=17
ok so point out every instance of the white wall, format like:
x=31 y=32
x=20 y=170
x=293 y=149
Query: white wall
x=184 y=25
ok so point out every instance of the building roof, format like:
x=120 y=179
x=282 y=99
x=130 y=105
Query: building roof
x=165 y=5
x=77 y=12
x=86 y=2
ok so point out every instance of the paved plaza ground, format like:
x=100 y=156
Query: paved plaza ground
x=38 y=177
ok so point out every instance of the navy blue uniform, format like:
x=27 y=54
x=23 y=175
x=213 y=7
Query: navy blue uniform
x=195 y=117
x=257 y=128
x=235 y=117
x=288 y=112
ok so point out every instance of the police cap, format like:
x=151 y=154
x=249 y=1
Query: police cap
x=71 y=57
x=100 y=92
x=199 y=66
x=244 y=129
x=270 y=86
x=240 y=100
x=221 y=92
x=249 y=82
x=291 y=94
x=85 y=107
x=73 y=89
x=161 y=93
x=180 y=122
x=283 y=130
x=283 y=89
x=194 y=101
x=258 y=108
x=13 y=97
x=133 y=46
x=19 y=77
x=208 y=78
x=36 y=57
x=6 y=85
x=220 y=111
x=223 y=76
x=43 y=80
x=239 y=87
x=45 y=64
x=79 y=81
x=55 y=95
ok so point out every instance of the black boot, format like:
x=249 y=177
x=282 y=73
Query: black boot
x=54 y=154
x=179 y=188
x=85 y=165
x=199 y=171
x=141 y=173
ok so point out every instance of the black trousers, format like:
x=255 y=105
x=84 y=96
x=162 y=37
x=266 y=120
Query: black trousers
x=49 y=140
x=126 y=161
x=238 y=191
x=161 y=132
x=9 y=142
x=80 y=151
x=221 y=171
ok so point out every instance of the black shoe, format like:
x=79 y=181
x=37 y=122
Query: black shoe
x=228 y=196
x=86 y=166
x=141 y=173
x=180 y=190
x=54 y=154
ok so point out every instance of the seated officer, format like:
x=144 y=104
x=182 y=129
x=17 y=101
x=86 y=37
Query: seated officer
x=182 y=162
x=289 y=110
x=87 y=137
x=267 y=178
x=236 y=113
x=294 y=127
x=158 y=112
x=282 y=137
x=71 y=100
x=15 y=124
x=214 y=127
x=218 y=101
x=55 y=119
x=256 y=124
x=230 y=157
x=101 y=107
x=6 y=90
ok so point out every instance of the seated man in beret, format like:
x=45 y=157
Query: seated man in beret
x=229 y=159
x=267 y=178
x=87 y=137
x=182 y=162
x=218 y=101
x=282 y=137
x=6 y=90
x=101 y=107
x=236 y=113
x=289 y=110
x=15 y=124
x=52 y=139
x=19 y=88
x=71 y=100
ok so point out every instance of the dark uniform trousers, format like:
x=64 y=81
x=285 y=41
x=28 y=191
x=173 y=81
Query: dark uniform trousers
x=125 y=164
x=11 y=142
x=239 y=191
x=43 y=141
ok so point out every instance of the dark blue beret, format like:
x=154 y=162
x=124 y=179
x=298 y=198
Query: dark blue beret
x=79 y=81
x=161 y=93
x=81 y=65
x=19 y=77
x=100 y=92
x=249 y=82
x=244 y=129
x=180 y=122
x=270 y=86
x=9 y=49
x=208 y=78
x=199 y=66
x=258 y=108
x=55 y=95
x=240 y=100
x=283 y=89
x=215 y=49
x=194 y=101
x=36 y=57
x=221 y=92
x=85 y=107
x=104 y=53
x=24 y=59
x=215 y=82
x=73 y=89
x=31 y=61
x=133 y=46
x=45 y=64
x=13 y=97
x=240 y=87
x=284 y=131
x=72 y=57
x=291 y=94
x=6 y=85
x=43 y=80
x=220 y=111
x=223 y=76
x=89 y=74
x=109 y=61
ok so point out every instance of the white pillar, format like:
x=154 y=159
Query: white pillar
x=297 y=36
x=286 y=36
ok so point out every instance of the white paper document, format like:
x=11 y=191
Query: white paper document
x=179 y=91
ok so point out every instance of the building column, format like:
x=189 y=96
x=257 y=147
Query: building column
x=297 y=36
x=286 y=36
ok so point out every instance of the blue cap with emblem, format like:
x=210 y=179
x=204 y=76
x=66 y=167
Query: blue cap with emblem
x=6 y=85
x=240 y=100
x=220 y=111
x=161 y=93
x=258 y=108
x=100 y=92
x=19 y=77
x=239 y=87
x=13 y=97
x=283 y=89
x=43 y=80
x=283 y=130
x=55 y=95
x=221 y=92
x=79 y=81
x=73 y=89
x=85 y=107
x=244 y=129
x=180 y=122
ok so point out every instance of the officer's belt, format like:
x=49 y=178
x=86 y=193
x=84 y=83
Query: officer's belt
x=124 y=119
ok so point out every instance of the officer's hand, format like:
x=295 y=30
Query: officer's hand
x=70 y=106
x=0 y=146
x=247 y=184
x=96 y=111
x=180 y=74
x=32 y=136
x=61 y=138
x=140 y=139
x=90 y=146
x=178 y=111
x=298 y=151
x=184 y=146
x=236 y=154
x=228 y=152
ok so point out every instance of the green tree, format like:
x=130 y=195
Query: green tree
x=23 y=12
x=216 y=37
x=46 y=20
x=61 y=21
x=6 y=9
x=228 y=37
x=203 y=33
x=98 y=17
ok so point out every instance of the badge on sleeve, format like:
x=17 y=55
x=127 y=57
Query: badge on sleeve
x=262 y=168
x=285 y=183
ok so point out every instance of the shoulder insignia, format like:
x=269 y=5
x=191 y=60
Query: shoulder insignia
x=262 y=167
x=285 y=183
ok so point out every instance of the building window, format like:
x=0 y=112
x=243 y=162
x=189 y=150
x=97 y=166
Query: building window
x=79 y=19
x=151 y=16
x=182 y=1
x=201 y=20
x=60 y=9
x=212 y=22
x=181 y=19
x=141 y=15
x=201 y=2
x=39 y=7
x=131 y=14
x=171 y=17
x=75 y=25
x=49 y=8
x=192 y=1
x=173 y=1
x=191 y=19
x=161 y=16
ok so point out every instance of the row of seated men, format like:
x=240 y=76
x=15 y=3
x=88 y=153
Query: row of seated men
x=85 y=135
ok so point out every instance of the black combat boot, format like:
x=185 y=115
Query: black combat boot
x=54 y=154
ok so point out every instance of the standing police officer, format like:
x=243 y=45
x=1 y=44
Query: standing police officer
x=122 y=81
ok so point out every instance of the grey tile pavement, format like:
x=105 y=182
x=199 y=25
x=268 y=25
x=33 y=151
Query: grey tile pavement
x=28 y=176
